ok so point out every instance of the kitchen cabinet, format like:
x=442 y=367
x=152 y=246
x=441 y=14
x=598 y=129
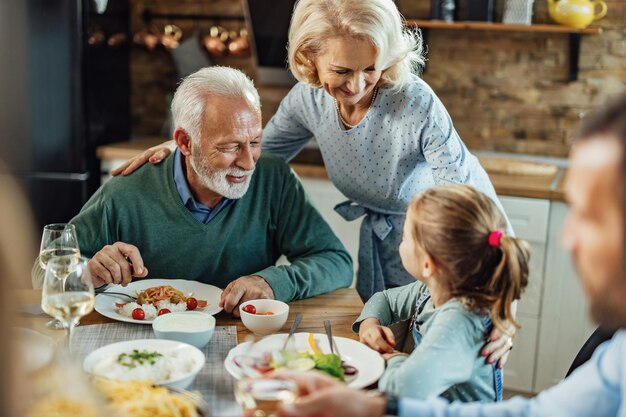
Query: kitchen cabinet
x=325 y=196
x=529 y=218
x=565 y=323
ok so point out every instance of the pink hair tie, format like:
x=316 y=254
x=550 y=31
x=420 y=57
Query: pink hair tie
x=495 y=237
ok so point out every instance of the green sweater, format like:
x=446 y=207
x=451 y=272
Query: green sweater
x=274 y=217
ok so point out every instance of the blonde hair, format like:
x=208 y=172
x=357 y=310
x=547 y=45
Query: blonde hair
x=399 y=50
x=189 y=102
x=453 y=224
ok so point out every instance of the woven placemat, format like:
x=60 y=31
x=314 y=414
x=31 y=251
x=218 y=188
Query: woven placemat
x=215 y=384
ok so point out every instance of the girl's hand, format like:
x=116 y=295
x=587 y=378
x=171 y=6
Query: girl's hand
x=153 y=155
x=377 y=337
x=499 y=346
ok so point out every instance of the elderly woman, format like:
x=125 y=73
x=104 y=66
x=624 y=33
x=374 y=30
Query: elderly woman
x=383 y=133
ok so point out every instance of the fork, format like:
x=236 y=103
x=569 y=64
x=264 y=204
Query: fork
x=331 y=342
x=113 y=293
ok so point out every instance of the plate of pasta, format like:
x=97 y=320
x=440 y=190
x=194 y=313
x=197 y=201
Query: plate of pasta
x=139 y=398
x=152 y=297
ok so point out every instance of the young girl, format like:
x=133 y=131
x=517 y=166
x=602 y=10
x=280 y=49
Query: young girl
x=469 y=272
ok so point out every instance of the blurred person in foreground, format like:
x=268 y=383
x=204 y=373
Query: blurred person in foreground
x=217 y=211
x=595 y=233
x=17 y=247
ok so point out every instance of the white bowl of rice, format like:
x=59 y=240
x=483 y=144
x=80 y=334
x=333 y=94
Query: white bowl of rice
x=164 y=362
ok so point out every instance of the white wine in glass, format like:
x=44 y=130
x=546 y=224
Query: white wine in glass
x=68 y=292
x=261 y=397
x=59 y=241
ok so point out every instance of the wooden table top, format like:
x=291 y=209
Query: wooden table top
x=341 y=307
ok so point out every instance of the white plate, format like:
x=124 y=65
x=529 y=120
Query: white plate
x=152 y=345
x=35 y=349
x=368 y=362
x=105 y=304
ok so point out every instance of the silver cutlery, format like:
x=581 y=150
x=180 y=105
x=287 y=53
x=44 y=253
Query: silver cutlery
x=294 y=326
x=331 y=342
x=113 y=293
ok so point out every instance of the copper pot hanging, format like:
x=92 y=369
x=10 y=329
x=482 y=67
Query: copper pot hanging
x=239 y=45
x=216 y=41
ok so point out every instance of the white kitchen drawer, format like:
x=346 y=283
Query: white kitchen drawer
x=325 y=196
x=519 y=371
x=528 y=216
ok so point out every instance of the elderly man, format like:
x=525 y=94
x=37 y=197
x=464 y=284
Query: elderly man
x=216 y=212
x=595 y=233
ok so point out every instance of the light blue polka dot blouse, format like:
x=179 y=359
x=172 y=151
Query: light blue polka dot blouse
x=405 y=144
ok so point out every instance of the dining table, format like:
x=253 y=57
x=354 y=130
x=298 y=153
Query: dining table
x=341 y=307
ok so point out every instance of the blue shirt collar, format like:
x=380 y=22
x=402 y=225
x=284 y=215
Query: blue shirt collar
x=181 y=182
x=201 y=212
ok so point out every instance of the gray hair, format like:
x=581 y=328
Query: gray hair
x=188 y=104
x=399 y=50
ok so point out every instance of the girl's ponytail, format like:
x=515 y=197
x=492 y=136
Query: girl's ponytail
x=508 y=280
x=461 y=229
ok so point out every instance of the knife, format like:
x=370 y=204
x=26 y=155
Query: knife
x=294 y=326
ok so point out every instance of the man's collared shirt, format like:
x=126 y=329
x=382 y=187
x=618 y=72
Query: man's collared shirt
x=198 y=210
x=597 y=388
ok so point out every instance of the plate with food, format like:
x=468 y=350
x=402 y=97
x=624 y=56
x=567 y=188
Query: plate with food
x=164 y=362
x=358 y=365
x=143 y=300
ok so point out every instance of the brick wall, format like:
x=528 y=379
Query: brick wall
x=505 y=91
x=508 y=91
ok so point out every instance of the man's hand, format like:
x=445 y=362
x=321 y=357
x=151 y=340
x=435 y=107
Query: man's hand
x=249 y=287
x=322 y=396
x=377 y=337
x=499 y=346
x=116 y=264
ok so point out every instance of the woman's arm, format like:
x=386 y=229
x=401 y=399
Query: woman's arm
x=287 y=131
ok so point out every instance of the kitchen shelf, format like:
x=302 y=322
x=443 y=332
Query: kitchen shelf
x=574 y=34
x=437 y=24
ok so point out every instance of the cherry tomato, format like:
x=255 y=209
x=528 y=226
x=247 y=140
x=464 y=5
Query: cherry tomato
x=139 y=314
x=192 y=303
x=250 y=309
x=163 y=311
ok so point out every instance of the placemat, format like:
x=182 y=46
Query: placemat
x=215 y=384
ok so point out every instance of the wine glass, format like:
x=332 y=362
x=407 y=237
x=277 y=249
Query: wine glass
x=58 y=241
x=68 y=292
x=261 y=397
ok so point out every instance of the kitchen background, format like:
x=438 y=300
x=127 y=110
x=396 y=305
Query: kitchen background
x=78 y=75
x=506 y=91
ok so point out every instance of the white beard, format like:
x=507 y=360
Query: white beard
x=216 y=180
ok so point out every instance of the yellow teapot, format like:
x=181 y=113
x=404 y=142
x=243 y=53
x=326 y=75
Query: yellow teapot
x=576 y=13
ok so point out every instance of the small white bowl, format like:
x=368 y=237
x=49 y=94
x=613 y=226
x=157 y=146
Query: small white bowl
x=262 y=324
x=193 y=327
x=102 y=361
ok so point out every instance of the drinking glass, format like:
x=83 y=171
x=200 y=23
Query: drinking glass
x=68 y=292
x=261 y=397
x=58 y=241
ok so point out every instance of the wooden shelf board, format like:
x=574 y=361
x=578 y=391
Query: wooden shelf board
x=436 y=24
